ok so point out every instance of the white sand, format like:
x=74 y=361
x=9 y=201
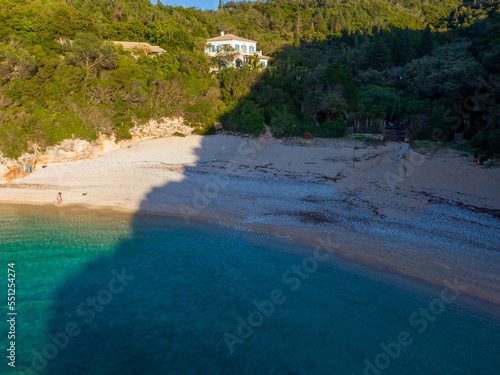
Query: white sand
x=433 y=218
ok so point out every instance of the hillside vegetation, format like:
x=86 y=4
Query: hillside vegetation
x=335 y=63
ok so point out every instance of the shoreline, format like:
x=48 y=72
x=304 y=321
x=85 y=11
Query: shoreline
x=372 y=266
x=433 y=225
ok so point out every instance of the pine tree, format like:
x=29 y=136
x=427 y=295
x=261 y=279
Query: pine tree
x=299 y=23
x=347 y=24
x=337 y=28
x=369 y=28
x=379 y=55
x=357 y=39
x=321 y=25
x=296 y=39
x=396 y=51
x=335 y=74
x=426 y=43
x=402 y=48
x=298 y=32
x=407 y=53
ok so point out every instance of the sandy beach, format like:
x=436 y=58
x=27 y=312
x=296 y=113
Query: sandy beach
x=432 y=216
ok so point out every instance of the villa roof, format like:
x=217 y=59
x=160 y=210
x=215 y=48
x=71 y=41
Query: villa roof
x=130 y=45
x=230 y=37
x=264 y=57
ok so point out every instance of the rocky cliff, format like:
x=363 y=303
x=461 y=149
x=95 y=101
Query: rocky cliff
x=76 y=149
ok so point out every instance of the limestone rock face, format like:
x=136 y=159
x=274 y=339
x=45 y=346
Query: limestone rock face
x=77 y=149
x=165 y=127
x=9 y=169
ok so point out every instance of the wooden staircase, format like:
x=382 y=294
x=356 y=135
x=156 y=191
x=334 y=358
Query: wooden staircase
x=395 y=133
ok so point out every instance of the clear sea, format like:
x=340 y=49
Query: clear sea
x=103 y=293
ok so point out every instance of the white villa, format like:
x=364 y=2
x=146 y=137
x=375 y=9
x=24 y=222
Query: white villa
x=244 y=50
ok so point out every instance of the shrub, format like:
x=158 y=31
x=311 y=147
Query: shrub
x=122 y=132
x=494 y=141
x=370 y=77
x=307 y=135
x=480 y=140
x=284 y=121
x=204 y=131
x=334 y=129
x=247 y=117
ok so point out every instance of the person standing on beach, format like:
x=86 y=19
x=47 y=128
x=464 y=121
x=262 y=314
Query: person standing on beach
x=482 y=160
x=59 y=198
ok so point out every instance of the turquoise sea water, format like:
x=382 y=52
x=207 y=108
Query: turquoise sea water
x=98 y=293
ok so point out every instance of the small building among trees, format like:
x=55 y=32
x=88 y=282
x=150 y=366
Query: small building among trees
x=141 y=49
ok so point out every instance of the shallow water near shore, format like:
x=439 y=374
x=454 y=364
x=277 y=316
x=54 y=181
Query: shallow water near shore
x=105 y=293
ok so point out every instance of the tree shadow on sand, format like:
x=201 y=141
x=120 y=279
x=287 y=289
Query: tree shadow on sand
x=181 y=298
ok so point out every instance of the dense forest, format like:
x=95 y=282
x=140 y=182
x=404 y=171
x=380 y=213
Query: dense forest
x=431 y=65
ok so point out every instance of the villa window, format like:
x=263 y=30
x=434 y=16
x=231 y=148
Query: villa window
x=244 y=48
x=219 y=48
x=237 y=47
x=252 y=49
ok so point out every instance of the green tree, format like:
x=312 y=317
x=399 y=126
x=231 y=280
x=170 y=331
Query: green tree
x=402 y=47
x=427 y=42
x=379 y=55
x=334 y=105
x=320 y=24
x=336 y=75
x=15 y=62
x=298 y=32
x=407 y=53
x=90 y=53
x=247 y=117
x=396 y=51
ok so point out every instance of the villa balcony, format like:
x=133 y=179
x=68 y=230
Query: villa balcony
x=212 y=53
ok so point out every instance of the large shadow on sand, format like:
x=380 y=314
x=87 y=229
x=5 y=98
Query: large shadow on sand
x=162 y=302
